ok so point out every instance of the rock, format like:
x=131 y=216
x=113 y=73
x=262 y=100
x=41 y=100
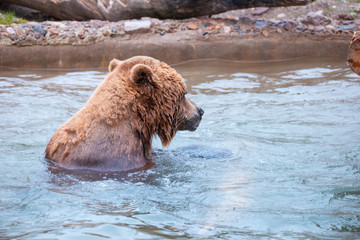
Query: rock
x=289 y=25
x=281 y=15
x=20 y=32
x=116 y=10
x=299 y=27
x=81 y=34
x=344 y=16
x=45 y=25
x=311 y=27
x=204 y=24
x=210 y=27
x=279 y=30
x=227 y=29
x=259 y=11
x=316 y=19
x=11 y=31
x=114 y=30
x=265 y=32
x=230 y=22
x=347 y=22
x=246 y=20
x=39 y=29
x=347 y=27
x=137 y=25
x=53 y=31
x=192 y=26
x=105 y=32
x=260 y=24
x=4 y=34
x=96 y=23
x=329 y=27
x=237 y=27
x=37 y=36
x=319 y=28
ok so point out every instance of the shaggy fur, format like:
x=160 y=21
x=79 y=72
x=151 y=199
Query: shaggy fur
x=140 y=97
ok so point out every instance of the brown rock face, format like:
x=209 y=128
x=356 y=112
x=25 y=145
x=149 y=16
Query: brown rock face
x=129 y=9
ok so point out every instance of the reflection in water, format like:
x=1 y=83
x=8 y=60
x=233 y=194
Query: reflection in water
x=276 y=156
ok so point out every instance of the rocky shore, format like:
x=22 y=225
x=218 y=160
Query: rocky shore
x=94 y=31
x=321 y=29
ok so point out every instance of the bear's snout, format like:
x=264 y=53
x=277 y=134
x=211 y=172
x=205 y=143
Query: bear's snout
x=193 y=123
x=201 y=111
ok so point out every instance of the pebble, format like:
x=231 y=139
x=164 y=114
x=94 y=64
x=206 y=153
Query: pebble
x=53 y=31
x=281 y=15
x=114 y=30
x=260 y=24
x=311 y=27
x=265 y=32
x=344 y=16
x=289 y=25
x=138 y=25
x=347 y=22
x=230 y=22
x=204 y=24
x=227 y=29
x=210 y=27
x=246 y=20
x=39 y=29
x=96 y=23
x=329 y=27
x=319 y=28
x=347 y=27
x=81 y=34
x=10 y=30
x=192 y=26
x=315 y=18
x=259 y=11
x=105 y=32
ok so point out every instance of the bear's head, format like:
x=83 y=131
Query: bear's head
x=158 y=102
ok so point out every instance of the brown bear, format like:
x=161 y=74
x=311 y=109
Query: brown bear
x=139 y=98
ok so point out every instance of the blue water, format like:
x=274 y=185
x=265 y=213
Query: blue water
x=276 y=156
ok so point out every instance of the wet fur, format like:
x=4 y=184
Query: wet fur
x=140 y=97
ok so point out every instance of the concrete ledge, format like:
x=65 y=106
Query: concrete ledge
x=172 y=49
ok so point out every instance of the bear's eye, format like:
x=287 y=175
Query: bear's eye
x=183 y=96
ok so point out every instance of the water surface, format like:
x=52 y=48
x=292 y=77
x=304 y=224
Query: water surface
x=277 y=156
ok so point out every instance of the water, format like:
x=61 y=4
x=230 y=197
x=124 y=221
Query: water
x=277 y=156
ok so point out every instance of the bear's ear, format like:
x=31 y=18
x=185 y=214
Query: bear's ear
x=113 y=64
x=141 y=74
